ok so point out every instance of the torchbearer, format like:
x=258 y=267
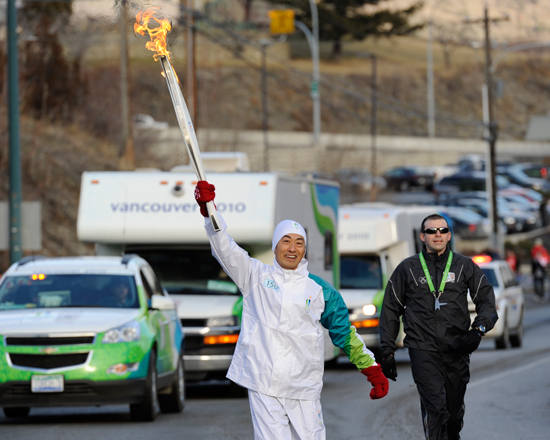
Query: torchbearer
x=158 y=44
x=279 y=356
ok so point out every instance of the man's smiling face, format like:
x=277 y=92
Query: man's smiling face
x=290 y=250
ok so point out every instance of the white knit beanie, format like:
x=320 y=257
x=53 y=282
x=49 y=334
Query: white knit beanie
x=287 y=227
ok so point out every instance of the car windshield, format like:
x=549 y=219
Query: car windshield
x=189 y=271
x=68 y=290
x=491 y=276
x=360 y=272
x=465 y=215
x=519 y=175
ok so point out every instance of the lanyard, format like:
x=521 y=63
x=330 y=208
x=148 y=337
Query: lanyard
x=443 y=280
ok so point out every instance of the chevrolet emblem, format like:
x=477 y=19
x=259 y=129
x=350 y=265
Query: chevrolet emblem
x=48 y=350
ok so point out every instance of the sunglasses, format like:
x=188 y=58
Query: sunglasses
x=432 y=231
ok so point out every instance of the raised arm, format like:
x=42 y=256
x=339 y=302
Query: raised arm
x=234 y=260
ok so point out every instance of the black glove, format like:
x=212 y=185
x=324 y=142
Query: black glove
x=389 y=368
x=471 y=341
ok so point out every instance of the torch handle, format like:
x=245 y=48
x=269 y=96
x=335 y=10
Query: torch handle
x=187 y=131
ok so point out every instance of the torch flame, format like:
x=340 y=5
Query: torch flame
x=157 y=28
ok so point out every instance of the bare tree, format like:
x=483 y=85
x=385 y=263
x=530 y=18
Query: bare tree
x=451 y=36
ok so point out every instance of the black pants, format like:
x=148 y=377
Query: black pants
x=538 y=283
x=441 y=380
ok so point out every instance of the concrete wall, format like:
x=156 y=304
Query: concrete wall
x=293 y=152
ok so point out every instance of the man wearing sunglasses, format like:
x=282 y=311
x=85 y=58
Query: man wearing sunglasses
x=429 y=291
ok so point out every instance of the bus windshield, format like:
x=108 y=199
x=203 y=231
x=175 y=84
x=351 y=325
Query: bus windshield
x=360 y=272
x=189 y=271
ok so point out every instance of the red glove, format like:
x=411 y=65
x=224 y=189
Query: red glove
x=204 y=192
x=380 y=385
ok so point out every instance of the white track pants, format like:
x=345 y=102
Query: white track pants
x=286 y=419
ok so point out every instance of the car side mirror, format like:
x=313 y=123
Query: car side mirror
x=159 y=302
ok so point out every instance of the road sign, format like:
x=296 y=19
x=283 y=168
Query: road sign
x=281 y=21
x=31 y=229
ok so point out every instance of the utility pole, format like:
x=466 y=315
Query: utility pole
x=315 y=92
x=16 y=249
x=373 y=169
x=491 y=129
x=191 y=81
x=265 y=114
x=430 y=80
x=128 y=154
x=493 y=133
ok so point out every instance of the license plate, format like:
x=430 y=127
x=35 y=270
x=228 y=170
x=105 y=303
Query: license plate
x=47 y=384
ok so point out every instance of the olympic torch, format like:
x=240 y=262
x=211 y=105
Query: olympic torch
x=158 y=28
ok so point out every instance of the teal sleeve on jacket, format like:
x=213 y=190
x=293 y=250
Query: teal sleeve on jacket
x=335 y=319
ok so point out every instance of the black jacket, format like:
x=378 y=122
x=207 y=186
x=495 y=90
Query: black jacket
x=408 y=294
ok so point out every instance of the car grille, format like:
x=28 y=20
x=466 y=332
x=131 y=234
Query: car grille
x=193 y=322
x=193 y=342
x=194 y=345
x=47 y=361
x=49 y=341
x=24 y=389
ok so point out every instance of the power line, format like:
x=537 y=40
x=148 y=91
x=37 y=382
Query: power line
x=384 y=101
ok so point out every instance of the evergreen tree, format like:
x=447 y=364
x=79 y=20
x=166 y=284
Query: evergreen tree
x=340 y=19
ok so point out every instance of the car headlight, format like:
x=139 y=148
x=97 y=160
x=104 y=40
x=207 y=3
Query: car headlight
x=125 y=333
x=531 y=220
x=369 y=310
x=366 y=310
x=509 y=220
x=222 y=321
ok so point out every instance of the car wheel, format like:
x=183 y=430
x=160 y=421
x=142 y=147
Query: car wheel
x=17 y=412
x=516 y=340
x=404 y=186
x=147 y=410
x=501 y=342
x=174 y=402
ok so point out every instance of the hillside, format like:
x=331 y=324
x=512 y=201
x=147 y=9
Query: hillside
x=52 y=161
x=55 y=153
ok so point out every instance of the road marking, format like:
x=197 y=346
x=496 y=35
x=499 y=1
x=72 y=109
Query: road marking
x=509 y=373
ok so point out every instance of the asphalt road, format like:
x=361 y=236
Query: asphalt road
x=507 y=399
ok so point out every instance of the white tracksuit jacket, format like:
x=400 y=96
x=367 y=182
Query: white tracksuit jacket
x=280 y=351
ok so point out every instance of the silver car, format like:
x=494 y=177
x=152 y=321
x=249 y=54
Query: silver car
x=509 y=296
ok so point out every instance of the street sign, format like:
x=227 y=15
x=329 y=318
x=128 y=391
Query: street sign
x=314 y=89
x=31 y=230
x=281 y=21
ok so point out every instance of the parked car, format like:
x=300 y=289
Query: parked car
x=510 y=302
x=516 y=174
x=515 y=222
x=467 y=181
x=514 y=203
x=405 y=178
x=528 y=193
x=358 y=180
x=89 y=331
x=467 y=224
x=519 y=201
x=535 y=170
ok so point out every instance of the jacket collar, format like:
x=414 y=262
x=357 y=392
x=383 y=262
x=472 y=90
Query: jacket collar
x=300 y=271
x=433 y=257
